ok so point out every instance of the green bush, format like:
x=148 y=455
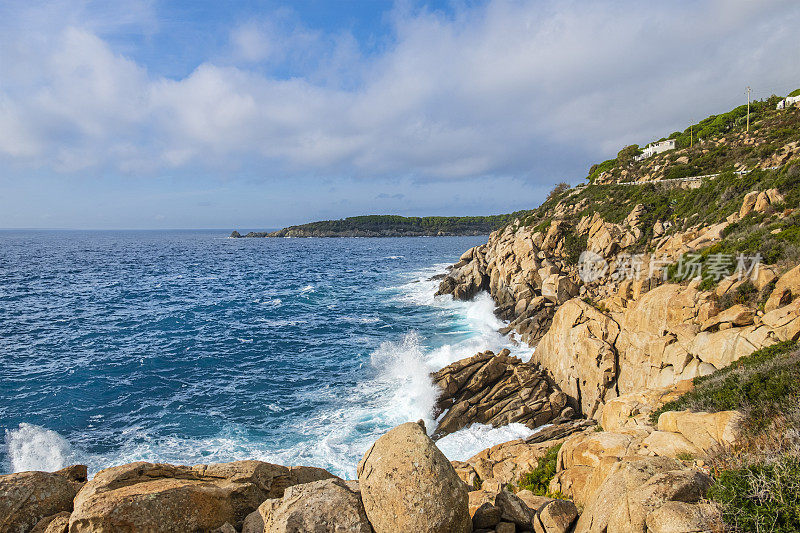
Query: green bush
x=760 y=497
x=796 y=92
x=538 y=480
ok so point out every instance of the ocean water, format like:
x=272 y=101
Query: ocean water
x=189 y=347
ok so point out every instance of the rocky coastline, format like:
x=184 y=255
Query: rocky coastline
x=644 y=390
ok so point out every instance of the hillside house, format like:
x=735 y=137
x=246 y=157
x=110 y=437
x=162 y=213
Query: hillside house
x=788 y=102
x=656 y=148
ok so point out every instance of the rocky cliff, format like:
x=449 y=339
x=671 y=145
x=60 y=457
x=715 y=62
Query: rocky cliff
x=603 y=302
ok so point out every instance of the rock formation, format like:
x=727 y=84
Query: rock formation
x=320 y=506
x=407 y=484
x=496 y=390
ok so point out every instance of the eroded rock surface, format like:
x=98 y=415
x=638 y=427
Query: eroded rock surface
x=407 y=484
x=495 y=390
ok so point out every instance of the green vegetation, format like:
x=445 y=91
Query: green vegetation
x=775 y=238
x=538 y=480
x=757 y=484
x=715 y=144
x=395 y=225
x=760 y=497
x=796 y=92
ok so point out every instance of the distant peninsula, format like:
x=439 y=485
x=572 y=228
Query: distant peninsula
x=392 y=226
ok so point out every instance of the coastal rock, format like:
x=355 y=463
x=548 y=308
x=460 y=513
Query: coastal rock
x=28 y=497
x=556 y=517
x=687 y=486
x=579 y=352
x=748 y=204
x=320 y=506
x=514 y=510
x=57 y=523
x=506 y=462
x=786 y=289
x=633 y=410
x=682 y=517
x=623 y=476
x=495 y=390
x=707 y=431
x=163 y=497
x=407 y=484
x=485 y=514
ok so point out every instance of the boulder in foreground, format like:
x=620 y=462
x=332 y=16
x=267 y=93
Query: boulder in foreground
x=321 y=506
x=28 y=497
x=407 y=484
x=161 y=497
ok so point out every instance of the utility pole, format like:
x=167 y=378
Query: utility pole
x=748 y=109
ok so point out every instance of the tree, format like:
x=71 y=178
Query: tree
x=627 y=154
x=558 y=190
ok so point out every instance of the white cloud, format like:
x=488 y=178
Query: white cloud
x=512 y=87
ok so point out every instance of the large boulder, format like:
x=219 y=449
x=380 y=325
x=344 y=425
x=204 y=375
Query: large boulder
x=630 y=513
x=318 y=507
x=28 y=497
x=556 y=517
x=161 y=497
x=707 y=431
x=786 y=289
x=683 y=517
x=623 y=477
x=579 y=352
x=407 y=484
x=57 y=523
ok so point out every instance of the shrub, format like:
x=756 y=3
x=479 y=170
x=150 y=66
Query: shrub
x=627 y=154
x=538 y=480
x=760 y=497
x=796 y=92
x=557 y=191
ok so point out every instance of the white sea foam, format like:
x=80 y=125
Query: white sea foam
x=465 y=443
x=31 y=447
x=307 y=289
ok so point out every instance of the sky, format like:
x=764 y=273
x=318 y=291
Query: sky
x=255 y=115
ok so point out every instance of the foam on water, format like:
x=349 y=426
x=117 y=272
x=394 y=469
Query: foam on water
x=395 y=388
x=31 y=447
x=465 y=443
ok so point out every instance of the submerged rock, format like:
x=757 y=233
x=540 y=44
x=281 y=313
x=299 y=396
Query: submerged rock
x=407 y=484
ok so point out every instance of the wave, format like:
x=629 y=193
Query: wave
x=467 y=442
x=307 y=289
x=32 y=447
x=396 y=387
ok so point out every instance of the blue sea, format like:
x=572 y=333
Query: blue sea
x=189 y=347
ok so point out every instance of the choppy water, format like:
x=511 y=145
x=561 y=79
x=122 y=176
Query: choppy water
x=189 y=347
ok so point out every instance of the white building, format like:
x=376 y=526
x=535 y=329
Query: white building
x=788 y=102
x=656 y=148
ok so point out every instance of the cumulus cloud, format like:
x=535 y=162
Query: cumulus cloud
x=509 y=87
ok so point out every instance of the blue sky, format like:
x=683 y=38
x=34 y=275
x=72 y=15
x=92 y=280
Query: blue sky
x=245 y=114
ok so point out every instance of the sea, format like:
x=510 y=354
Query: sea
x=189 y=347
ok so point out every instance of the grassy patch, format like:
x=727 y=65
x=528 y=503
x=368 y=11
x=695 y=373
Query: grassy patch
x=538 y=480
